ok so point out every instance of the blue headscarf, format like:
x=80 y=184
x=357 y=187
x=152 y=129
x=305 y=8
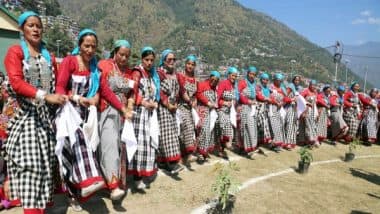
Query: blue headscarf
x=313 y=82
x=353 y=84
x=280 y=77
x=153 y=72
x=341 y=88
x=265 y=89
x=44 y=52
x=95 y=74
x=215 y=74
x=234 y=70
x=164 y=55
x=191 y=58
x=120 y=43
x=251 y=69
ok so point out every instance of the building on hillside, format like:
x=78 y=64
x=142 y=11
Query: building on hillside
x=9 y=33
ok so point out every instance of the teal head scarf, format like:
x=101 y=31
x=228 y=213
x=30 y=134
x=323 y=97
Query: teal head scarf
x=265 y=89
x=234 y=70
x=353 y=84
x=215 y=74
x=252 y=69
x=264 y=76
x=191 y=58
x=341 y=88
x=155 y=77
x=120 y=43
x=95 y=74
x=164 y=54
x=44 y=52
x=280 y=77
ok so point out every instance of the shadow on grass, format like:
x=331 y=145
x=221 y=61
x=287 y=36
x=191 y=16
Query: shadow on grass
x=359 y=212
x=369 y=176
x=373 y=195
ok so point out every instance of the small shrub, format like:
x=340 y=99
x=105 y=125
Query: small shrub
x=305 y=154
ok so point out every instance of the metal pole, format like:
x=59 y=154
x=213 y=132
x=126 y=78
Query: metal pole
x=336 y=72
x=365 y=78
x=58 y=42
x=346 y=63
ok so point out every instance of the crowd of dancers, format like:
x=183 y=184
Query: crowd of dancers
x=88 y=125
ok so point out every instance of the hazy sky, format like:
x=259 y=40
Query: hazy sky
x=323 y=22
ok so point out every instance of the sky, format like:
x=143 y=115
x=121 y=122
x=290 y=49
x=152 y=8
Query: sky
x=323 y=22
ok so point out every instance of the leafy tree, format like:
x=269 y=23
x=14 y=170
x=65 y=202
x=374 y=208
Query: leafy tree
x=56 y=37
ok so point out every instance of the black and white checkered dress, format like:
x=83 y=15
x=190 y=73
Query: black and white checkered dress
x=350 y=115
x=275 y=120
x=187 y=130
x=225 y=129
x=248 y=124
x=80 y=167
x=307 y=125
x=206 y=137
x=368 y=124
x=144 y=160
x=31 y=141
x=291 y=123
x=168 y=147
x=322 y=123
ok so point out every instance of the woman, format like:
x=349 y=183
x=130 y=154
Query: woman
x=263 y=125
x=228 y=96
x=307 y=123
x=291 y=117
x=370 y=117
x=207 y=103
x=79 y=78
x=168 y=150
x=112 y=152
x=187 y=104
x=352 y=113
x=147 y=96
x=248 y=114
x=323 y=105
x=338 y=126
x=31 y=139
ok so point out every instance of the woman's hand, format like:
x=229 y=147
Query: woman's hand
x=58 y=99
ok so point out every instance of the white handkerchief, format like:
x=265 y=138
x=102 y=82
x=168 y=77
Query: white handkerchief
x=154 y=129
x=90 y=129
x=178 y=120
x=233 y=116
x=195 y=115
x=282 y=113
x=253 y=110
x=129 y=138
x=301 y=105
x=213 y=117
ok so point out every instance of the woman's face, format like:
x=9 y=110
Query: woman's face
x=232 y=77
x=356 y=87
x=170 y=61
x=296 y=81
x=251 y=76
x=374 y=94
x=147 y=62
x=32 y=30
x=189 y=67
x=264 y=82
x=88 y=47
x=122 y=55
x=327 y=91
x=214 y=81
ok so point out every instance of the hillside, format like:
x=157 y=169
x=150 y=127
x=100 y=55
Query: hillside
x=222 y=31
x=358 y=64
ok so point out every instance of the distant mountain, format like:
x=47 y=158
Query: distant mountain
x=358 y=64
x=221 y=32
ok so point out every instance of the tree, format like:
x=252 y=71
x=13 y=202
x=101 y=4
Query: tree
x=65 y=44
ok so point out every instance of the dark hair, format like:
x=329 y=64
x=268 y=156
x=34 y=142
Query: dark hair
x=147 y=53
x=112 y=54
x=294 y=78
x=87 y=34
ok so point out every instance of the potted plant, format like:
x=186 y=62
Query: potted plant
x=306 y=157
x=224 y=187
x=350 y=155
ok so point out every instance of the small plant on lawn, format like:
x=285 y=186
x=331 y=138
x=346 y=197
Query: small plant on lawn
x=305 y=154
x=354 y=144
x=225 y=184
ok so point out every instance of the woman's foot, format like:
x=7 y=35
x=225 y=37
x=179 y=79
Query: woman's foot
x=140 y=185
x=86 y=191
x=74 y=204
x=117 y=194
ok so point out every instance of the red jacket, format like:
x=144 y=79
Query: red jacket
x=201 y=88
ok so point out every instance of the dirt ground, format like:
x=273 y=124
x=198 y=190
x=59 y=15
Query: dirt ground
x=336 y=187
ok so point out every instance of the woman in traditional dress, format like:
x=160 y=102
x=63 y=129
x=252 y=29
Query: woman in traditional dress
x=79 y=78
x=169 y=153
x=31 y=139
x=147 y=96
x=207 y=105
x=307 y=121
x=338 y=126
x=352 y=113
x=187 y=104
x=368 y=124
x=228 y=97
x=112 y=152
x=323 y=105
x=263 y=91
x=276 y=112
x=291 y=118
x=247 y=127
